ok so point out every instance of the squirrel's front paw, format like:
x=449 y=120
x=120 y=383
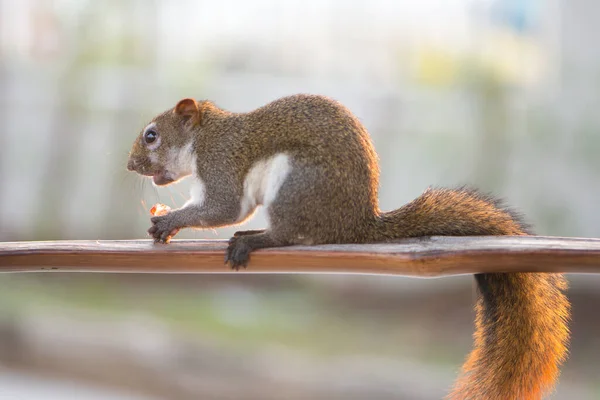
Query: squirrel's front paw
x=163 y=228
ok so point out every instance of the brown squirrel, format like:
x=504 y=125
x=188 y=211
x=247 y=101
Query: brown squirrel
x=310 y=162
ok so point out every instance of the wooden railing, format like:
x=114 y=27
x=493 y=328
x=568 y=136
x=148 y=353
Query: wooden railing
x=418 y=257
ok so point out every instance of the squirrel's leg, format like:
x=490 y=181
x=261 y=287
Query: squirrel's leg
x=240 y=247
x=192 y=215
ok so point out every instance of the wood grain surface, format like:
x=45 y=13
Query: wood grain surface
x=417 y=257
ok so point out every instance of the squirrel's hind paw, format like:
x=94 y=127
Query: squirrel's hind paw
x=238 y=253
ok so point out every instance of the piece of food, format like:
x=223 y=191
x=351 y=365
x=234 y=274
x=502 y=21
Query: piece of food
x=159 y=210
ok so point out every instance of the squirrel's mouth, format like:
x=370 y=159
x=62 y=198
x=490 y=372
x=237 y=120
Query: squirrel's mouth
x=159 y=176
x=162 y=178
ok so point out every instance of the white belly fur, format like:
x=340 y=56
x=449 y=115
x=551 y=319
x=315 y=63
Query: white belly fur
x=263 y=182
x=198 y=189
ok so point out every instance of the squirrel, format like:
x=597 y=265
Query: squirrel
x=310 y=162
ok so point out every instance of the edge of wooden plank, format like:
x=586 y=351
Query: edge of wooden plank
x=417 y=257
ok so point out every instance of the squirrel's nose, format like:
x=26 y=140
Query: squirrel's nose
x=131 y=165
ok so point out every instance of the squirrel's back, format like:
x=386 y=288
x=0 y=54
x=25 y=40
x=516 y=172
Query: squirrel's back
x=313 y=123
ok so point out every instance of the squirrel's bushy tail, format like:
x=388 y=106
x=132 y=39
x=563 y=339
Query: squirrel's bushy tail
x=520 y=338
x=521 y=330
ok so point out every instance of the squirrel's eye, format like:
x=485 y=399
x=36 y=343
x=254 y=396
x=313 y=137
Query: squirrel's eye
x=150 y=136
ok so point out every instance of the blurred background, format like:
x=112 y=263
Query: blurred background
x=501 y=94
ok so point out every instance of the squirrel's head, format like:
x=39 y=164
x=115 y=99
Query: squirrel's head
x=163 y=150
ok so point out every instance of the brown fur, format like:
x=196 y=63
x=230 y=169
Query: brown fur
x=330 y=196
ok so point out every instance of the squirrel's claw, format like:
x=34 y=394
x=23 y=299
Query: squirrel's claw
x=237 y=254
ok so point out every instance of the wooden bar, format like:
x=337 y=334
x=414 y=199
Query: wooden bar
x=416 y=257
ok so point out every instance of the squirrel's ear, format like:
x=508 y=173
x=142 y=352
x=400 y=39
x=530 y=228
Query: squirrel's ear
x=187 y=108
